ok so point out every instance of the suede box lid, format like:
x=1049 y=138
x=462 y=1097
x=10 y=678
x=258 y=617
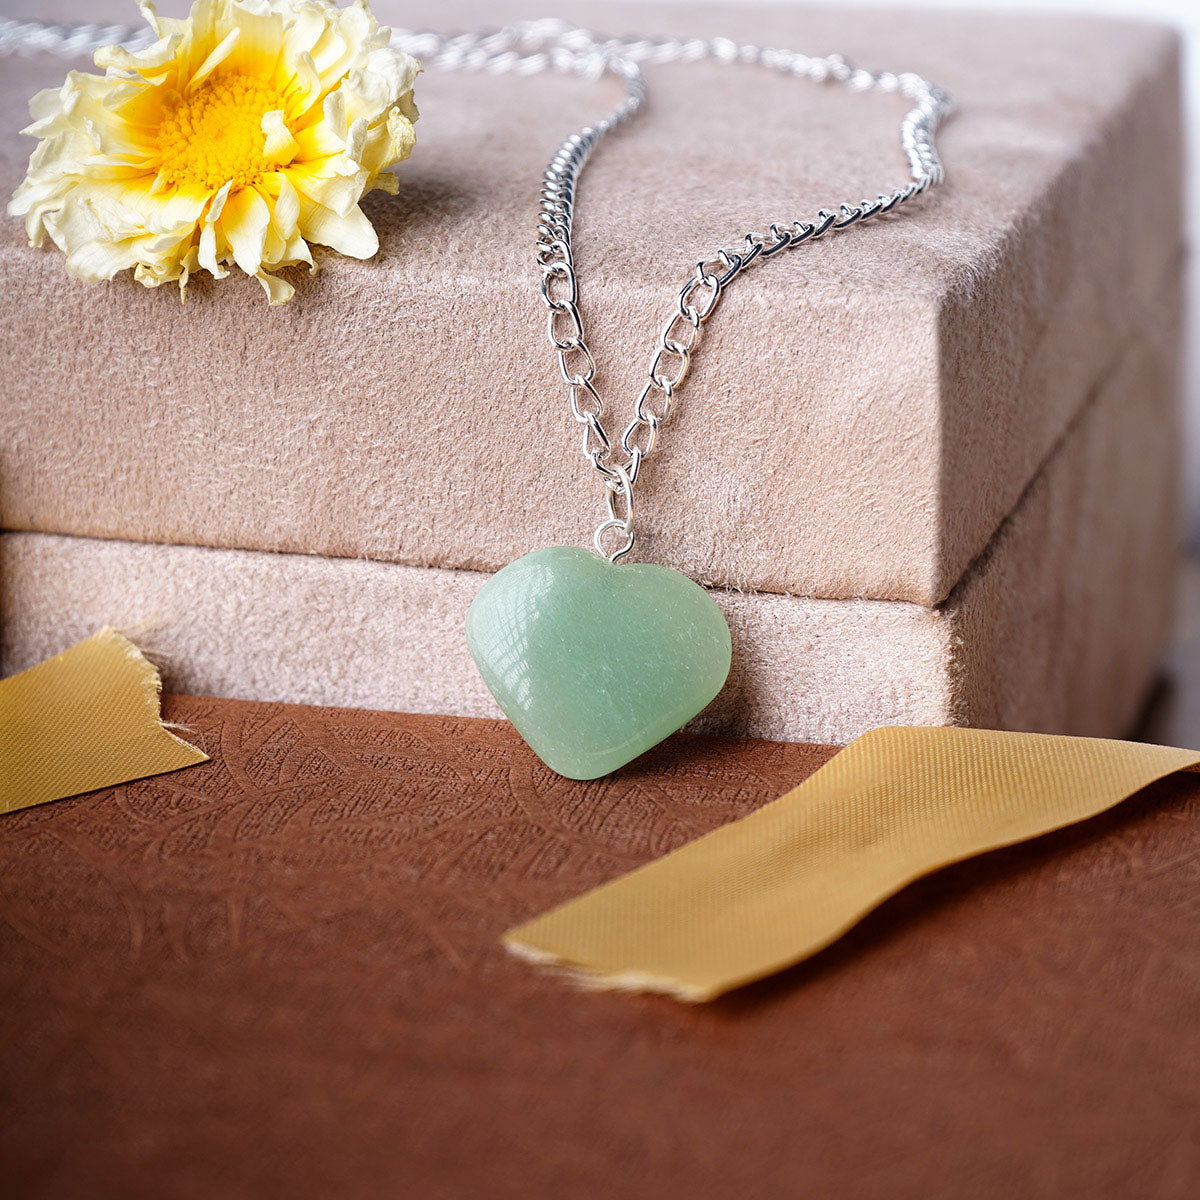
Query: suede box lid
x=862 y=416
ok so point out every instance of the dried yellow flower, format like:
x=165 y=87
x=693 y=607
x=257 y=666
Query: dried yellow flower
x=248 y=130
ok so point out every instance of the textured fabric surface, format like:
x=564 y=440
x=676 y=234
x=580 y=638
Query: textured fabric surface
x=85 y=719
x=279 y=974
x=862 y=416
x=1057 y=628
x=766 y=892
x=339 y=631
x=1059 y=624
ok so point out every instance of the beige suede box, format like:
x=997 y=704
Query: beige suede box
x=928 y=466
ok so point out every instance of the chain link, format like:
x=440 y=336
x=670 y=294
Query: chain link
x=531 y=47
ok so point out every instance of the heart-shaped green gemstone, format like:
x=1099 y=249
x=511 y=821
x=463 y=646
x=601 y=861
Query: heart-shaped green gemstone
x=595 y=662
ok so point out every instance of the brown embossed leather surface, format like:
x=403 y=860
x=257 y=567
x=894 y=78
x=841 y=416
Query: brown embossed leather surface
x=277 y=974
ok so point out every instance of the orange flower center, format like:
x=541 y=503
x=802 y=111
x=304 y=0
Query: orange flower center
x=214 y=134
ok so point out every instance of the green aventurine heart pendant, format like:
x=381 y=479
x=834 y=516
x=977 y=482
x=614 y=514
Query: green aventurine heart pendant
x=595 y=662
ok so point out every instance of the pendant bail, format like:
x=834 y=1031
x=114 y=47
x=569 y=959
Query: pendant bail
x=622 y=487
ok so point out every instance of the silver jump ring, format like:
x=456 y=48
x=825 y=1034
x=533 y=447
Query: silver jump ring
x=623 y=549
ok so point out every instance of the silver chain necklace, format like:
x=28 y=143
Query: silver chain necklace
x=596 y=661
x=532 y=46
x=701 y=293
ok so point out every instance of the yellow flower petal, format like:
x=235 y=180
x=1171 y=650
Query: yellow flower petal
x=162 y=26
x=303 y=90
x=261 y=40
x=280 y=145
x=279 y=291
x=215 y=57
x=318 y=141
x=243 y=223
x=97 y=261
x=285 y=210
x=211 y=254
x=389 y=143
x=351 y=234
x=147 y=61
x=333 y=183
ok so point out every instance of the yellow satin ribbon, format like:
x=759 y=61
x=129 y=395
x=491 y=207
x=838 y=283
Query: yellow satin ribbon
x=85 y=719
x=771 y=889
